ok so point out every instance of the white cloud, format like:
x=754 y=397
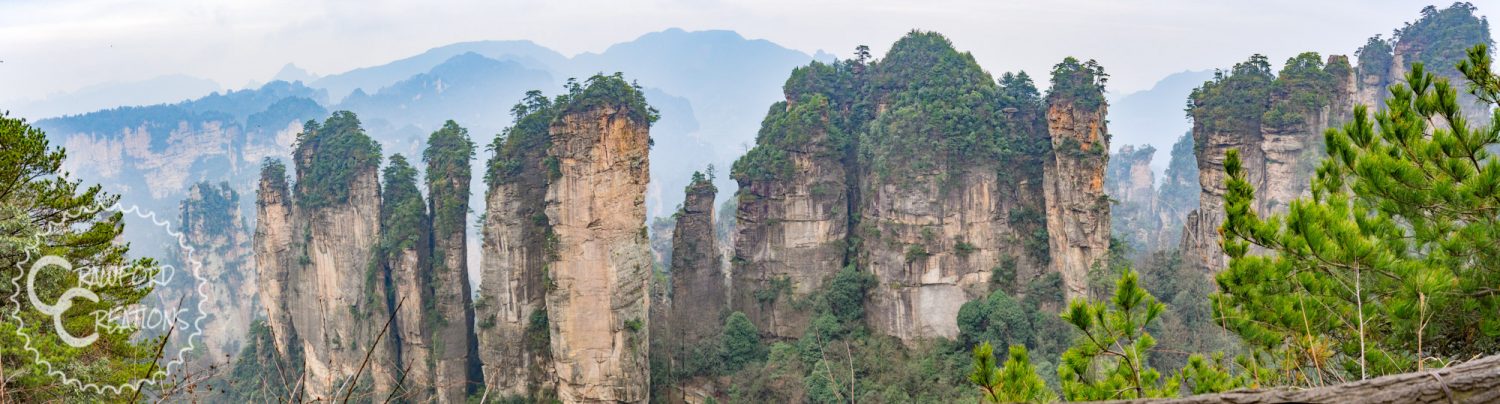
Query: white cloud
x=62 y=45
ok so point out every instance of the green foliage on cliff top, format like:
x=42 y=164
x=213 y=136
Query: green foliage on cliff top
x=1391 y=261
x=403 y=215
x=329 y=157
x=214 y=208
x=448 y=172
x=1234 y=100
x=788 y=127
x=608 y=91
x=1079 y=82
x=1375 y=57
x=1303 y=87
x=520 y=148
x=1440 y=38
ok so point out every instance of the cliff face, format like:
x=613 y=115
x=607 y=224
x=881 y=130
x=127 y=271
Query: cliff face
x=212 y=226
x=699 y=286
x=273 y=255
x=602 y=271
x=333 y=294
x=1130 y=184
x=792 y=222
x=448 y=174
x=405 y=254
x=511 y=313
x=1077 y=207
x=1276 y=122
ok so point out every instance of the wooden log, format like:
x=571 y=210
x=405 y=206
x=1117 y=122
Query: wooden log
x=1476 y=381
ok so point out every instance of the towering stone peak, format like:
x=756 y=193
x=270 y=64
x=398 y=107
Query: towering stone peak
x=564 y=308
x=699 y=295
x=274 y=257
x=405 y=256
x=595 y=204
x=510 y=311
x=1077 y=206
x=221 y=245
x=454 y=350
x=792 y=214
x=1128 y=178
x=335 y=293
x=1130 y=183
x=910 y=170
x=1276 y=123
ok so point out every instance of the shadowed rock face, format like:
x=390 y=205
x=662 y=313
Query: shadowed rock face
x=1077 y=207
x=273 y=257
x=791 y=232
x=699 y=285
x=213 y=227
x=454 y=351
x=511 y=309
x=598 y=311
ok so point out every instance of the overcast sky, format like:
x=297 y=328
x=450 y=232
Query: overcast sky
x=50 y=46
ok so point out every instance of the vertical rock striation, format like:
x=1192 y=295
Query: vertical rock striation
x=453 y=346
x=273 y=255
x=339 y=294
x=793 y=216
x=511 y=312
x=602 y=270
x=1077 y=207
x=405 y=255
x=212 y=226
x=699 y=294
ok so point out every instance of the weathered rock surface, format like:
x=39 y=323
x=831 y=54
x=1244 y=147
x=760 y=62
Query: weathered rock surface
x=511 y=309
x=213 y=227
x=453 y=351
x=274 y=256
x=791 y=230
x=405 y=254
x=602 y=272
x=700 y=293
x=1077 y=207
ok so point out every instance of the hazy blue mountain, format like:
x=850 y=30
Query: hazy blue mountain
x=291 y=74
x=474 y=90
x=150 y=155
x=373 y=78
x=108 y=95
x=1155 y=116
x=722 y=74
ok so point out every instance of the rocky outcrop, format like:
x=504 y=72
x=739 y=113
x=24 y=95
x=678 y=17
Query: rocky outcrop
x=1276 y=123
x=792 y=222
x=598 y=310
x=405 y=255
x=212 y=226
x=1077 y=207
x=274 y=256
x=700 y=293
x=511 y=312
x=333 y=292
x=1130 y=184
x=859 y=168
x=453 y=351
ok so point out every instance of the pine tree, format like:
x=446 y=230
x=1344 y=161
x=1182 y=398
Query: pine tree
x=1390 y=264
x=44 y=212
x=1108 y=359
